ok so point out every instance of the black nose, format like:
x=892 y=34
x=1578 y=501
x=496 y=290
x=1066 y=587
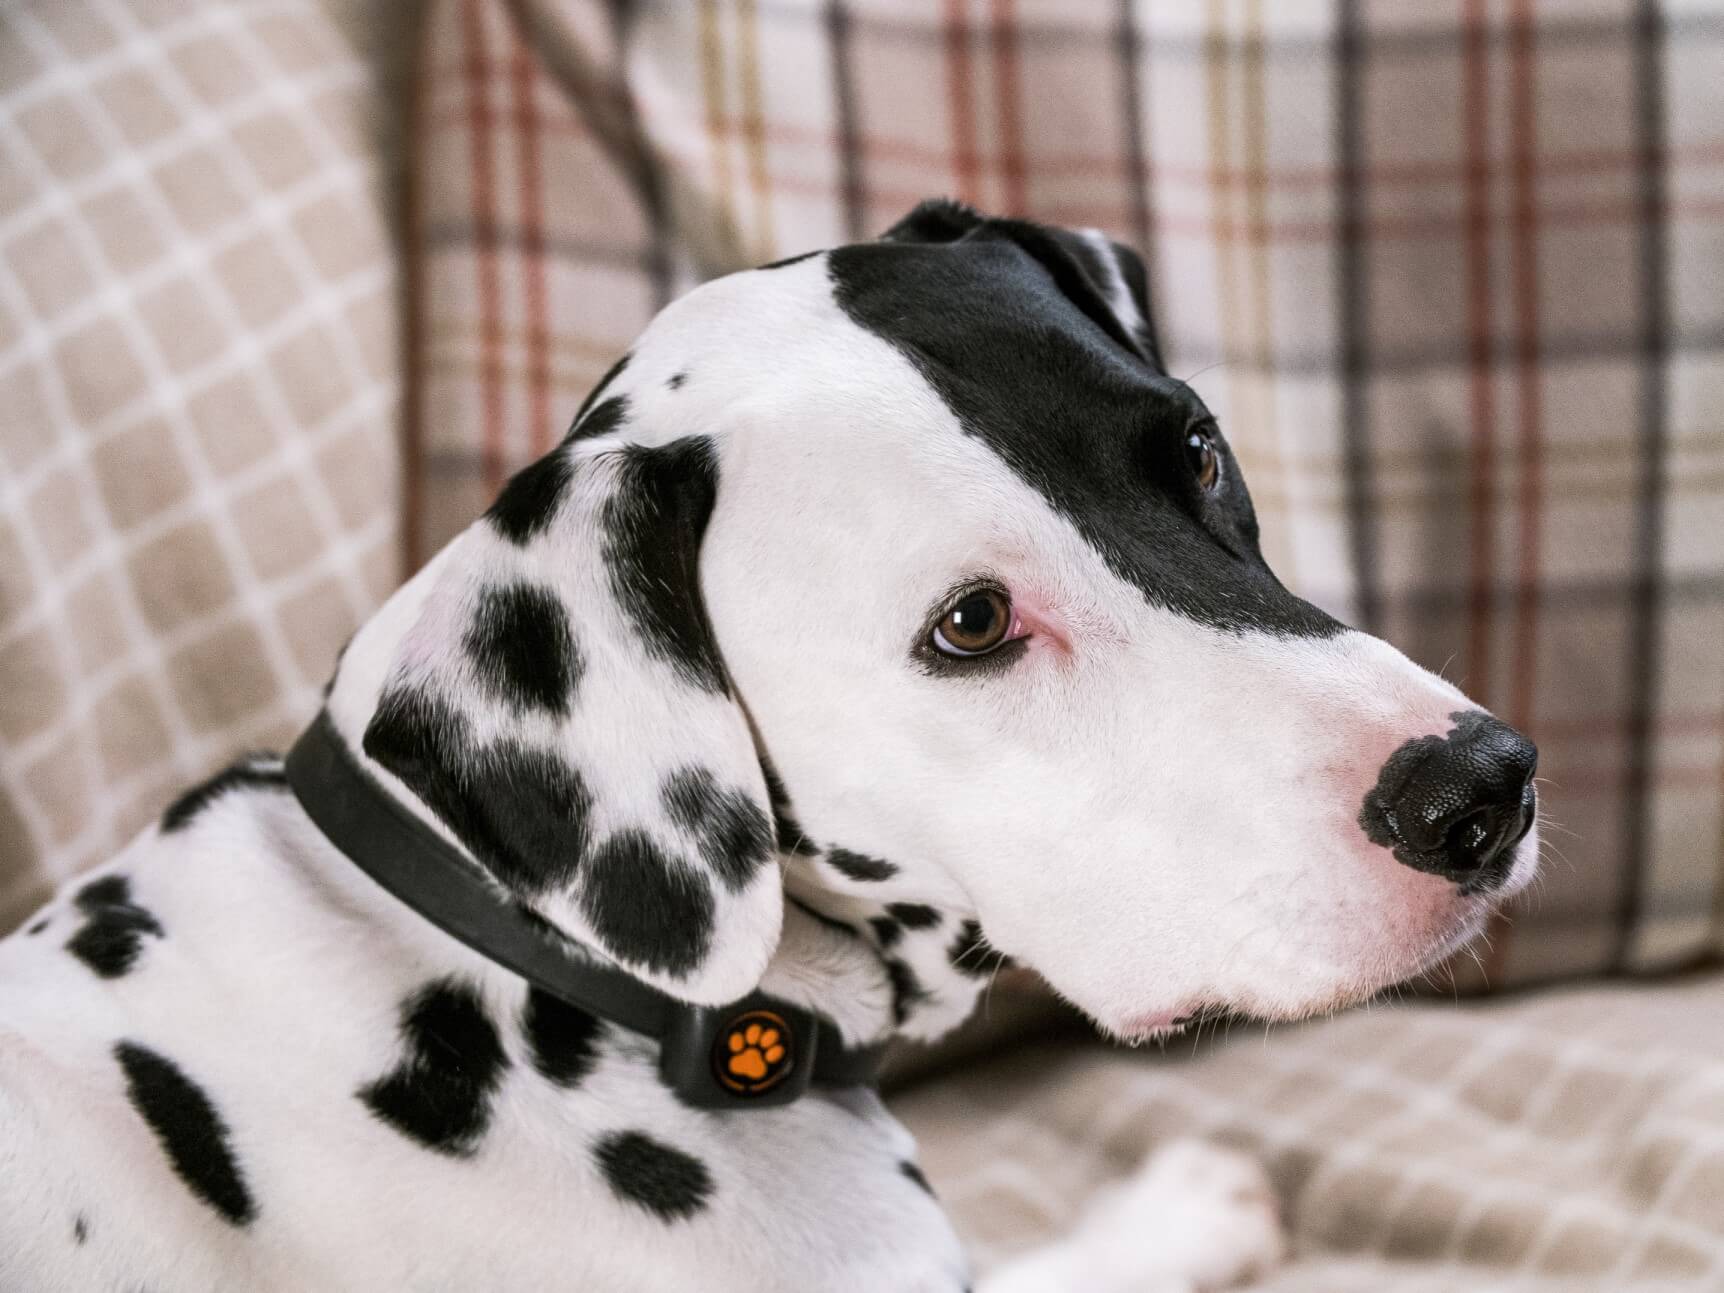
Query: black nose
x=1456 y=805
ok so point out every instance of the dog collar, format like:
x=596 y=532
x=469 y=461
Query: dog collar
x=756 y=1053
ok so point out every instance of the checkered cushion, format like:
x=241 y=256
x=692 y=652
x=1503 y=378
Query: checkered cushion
x=1564 y=1142
x=198 y=375
x=1452 y=276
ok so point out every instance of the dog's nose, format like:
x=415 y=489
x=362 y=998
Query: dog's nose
x=1456 y=805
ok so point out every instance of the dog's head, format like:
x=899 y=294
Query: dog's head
x=923 y=527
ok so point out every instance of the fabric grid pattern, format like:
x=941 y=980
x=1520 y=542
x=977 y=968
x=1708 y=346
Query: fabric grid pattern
x=1560 y=1143
x=198 y=332
x=1451 y=275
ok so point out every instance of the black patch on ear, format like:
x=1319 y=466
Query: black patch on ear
x=791 y=837
x=971 y=955
x=788 y=260
x=913 y=915
x=907 y=989
x=611 y=374
x=653 y=524
x=531 y=498
x=38 y=927
x=521 y=811
x=604 y=419
x=887 y=931
x=563 y=1039
x=666 y=1181
x=734 y=836
x=935 y=220
x=914 y=1174
x=246 y=775
x=522 y=649
x=1044 y=374
x=859 y=866
x=647 y=906
x=189 y=1129
x=440 y=1092
x=675 y=380
x=112 y=935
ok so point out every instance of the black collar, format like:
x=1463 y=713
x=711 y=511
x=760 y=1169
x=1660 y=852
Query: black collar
x=696 y=1056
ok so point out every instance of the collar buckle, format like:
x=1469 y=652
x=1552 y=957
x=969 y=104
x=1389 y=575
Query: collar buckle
x=755 y=1053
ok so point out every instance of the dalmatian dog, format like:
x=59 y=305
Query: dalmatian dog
x=886 y=612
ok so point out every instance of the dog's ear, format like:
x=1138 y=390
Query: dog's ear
x=550 y=690
x=935 y=220
x=1106 y=279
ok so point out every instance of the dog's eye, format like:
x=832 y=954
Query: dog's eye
x=1204 y=459
x=977 y=622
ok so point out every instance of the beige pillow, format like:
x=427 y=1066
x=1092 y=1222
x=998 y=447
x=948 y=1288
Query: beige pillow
x=198 y=367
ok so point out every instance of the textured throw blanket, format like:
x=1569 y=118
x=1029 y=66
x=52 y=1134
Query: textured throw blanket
x=1568 y=1142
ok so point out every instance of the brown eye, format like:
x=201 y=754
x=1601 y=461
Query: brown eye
x=977 y=623
x=1204 y=459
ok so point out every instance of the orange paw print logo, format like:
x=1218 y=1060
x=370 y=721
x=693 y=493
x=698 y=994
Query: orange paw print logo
x=754 y=1053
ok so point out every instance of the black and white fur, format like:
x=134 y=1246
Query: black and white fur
x=673 y=693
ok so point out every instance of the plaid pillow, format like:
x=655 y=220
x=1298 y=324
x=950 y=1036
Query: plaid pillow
x=199 y=377
x=1453 y=278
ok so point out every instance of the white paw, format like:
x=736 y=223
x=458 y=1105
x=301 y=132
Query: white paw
x=1195 y=1214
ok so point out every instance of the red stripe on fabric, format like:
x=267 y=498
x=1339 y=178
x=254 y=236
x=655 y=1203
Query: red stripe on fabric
x=965 y=164
x=524 y=84
x=1009 y=104
x=414 y=340
x=484 y=202
x=1475 y=116
x=1523 y=109
x=1523 y=655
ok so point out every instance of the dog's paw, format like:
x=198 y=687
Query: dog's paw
x=1194 y=1219
x=1195 y=1213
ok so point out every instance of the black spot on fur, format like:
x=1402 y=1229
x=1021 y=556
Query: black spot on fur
x=831 y=923
x=935 y=220
x=611 y=374
x=859 y=866
x=788 y=260
x=80 y=1229
x=913 y=915
x=190 y=1131
x=887 y=931
x=907 y=989
x=675 y=381
x=914 y=1173
x=522 y=649
x=531 y=498
x=971 y=955
x=791 y=837
x=38 y=927
x=653 y=524
x=647 y=906
x=604 y=419
x=669 y=1183
x=249 y=774
x=734 y=836
x=112 y=935
x=563 y=1039
x=440 y=1092
x=522 y=811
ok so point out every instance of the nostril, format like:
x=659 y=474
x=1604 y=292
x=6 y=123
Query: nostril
x=1454 y=805
x=1468 y=840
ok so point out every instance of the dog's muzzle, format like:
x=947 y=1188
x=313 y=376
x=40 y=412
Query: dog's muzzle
x=1456 y=805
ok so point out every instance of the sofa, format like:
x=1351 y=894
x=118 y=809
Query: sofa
x=288 y=288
